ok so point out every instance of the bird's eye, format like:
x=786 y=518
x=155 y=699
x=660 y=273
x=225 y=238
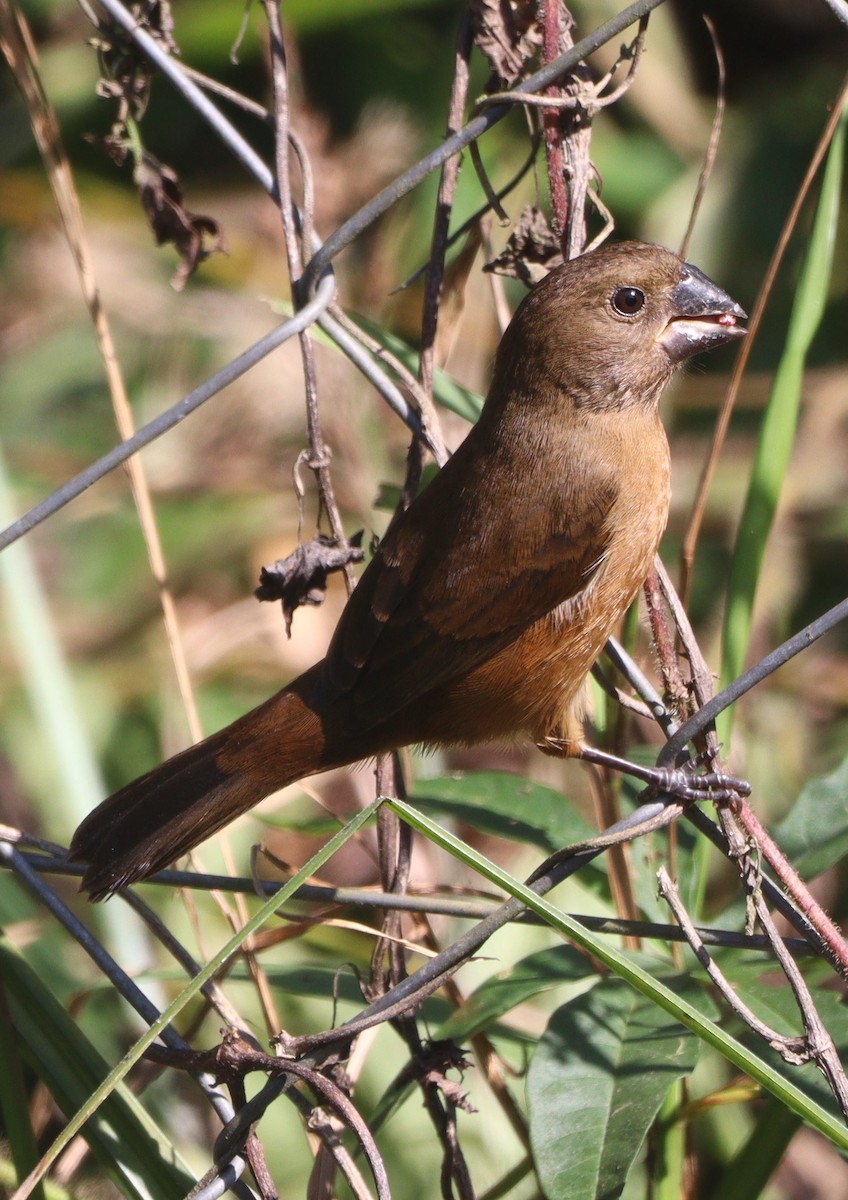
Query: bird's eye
x=628 y=301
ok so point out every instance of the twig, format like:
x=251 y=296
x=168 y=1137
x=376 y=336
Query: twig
x=19 y=45
x=693 y=529
x=715 y=137
x=793 y=1049
x=555 y=133
x=172 y=416
x=498 y=195
x=413 y=903
x=441 y=224
x=674 y=688
x=816 y=1044
x=319 y=459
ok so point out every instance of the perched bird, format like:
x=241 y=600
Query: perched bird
x=486 y=604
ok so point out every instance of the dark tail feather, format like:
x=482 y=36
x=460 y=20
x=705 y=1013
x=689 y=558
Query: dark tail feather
x=165 y=813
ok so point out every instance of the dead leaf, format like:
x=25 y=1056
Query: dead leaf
x=532 y=251
x=301 y=578
x=509 y=33
x=195 y=236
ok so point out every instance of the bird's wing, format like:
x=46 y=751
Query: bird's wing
x=456 y=580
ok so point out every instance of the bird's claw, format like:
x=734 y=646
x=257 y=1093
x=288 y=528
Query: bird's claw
x=686 y=785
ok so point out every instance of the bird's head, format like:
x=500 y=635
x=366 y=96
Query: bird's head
x=609 y=328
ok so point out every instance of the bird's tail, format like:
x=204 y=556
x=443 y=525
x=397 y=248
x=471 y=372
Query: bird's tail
x=174 y=807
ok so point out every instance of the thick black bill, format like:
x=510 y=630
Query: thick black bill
x=704 y=316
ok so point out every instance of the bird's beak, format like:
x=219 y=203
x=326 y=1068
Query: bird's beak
x=702 y=316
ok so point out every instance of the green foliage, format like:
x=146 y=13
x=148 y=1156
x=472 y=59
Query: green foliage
x=777 y=434
x=597 y=1080
x=578 y=1040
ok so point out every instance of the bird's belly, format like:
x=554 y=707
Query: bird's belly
x=535 y=685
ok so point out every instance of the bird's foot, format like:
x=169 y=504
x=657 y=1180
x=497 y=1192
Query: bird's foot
x=684 y=782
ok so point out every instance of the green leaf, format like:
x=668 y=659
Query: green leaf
x=629 y=969
x=212 y=968
x=814 y=833
x=505 y=806
x=778 y=429
x=505 y=990
x=139 y=1156
x=753 y=979
x=446 y=391
x=596 y=1082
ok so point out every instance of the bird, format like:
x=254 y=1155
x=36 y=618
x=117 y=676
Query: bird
x=486 y=603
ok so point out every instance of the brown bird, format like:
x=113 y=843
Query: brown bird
x=486 y=604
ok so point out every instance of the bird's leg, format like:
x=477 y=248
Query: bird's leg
x=682 y=782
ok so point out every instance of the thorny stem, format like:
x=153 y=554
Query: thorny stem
x=674 y=688
x=444 y=206
x=788 y=1046
x=795 y=887
x=552 y=128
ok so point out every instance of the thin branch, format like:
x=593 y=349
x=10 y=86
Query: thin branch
x=791 y=1048
x=319 y=458
x=475 y=128
x=707 y=714
x=413 y=903
x=693 y=529
x=172 y=416
x=45 y=126
x=715 y=137
x=441 y=224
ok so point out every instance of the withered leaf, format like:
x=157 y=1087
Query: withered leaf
x=532 y=251
x=301 y=578
x=195 y=236
x=128 y=72
x=509 y=33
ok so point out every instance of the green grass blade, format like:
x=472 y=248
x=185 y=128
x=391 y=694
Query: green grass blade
x=626 y=968
x=210 y=970
x=778 y=429
x=139 y=1156
x=57 y=711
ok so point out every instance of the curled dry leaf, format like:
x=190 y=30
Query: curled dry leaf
x=509 y=33
x=532 y=251
x=301 y=578
x=195 y=236
x=127 y=72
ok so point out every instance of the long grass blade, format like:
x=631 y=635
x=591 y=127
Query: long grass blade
x=778 y=430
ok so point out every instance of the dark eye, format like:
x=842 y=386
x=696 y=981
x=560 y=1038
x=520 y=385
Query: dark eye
x=628 y=301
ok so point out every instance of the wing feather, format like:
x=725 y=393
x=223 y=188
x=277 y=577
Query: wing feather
x=425 y=613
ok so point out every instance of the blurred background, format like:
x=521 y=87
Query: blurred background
x=369 y=84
